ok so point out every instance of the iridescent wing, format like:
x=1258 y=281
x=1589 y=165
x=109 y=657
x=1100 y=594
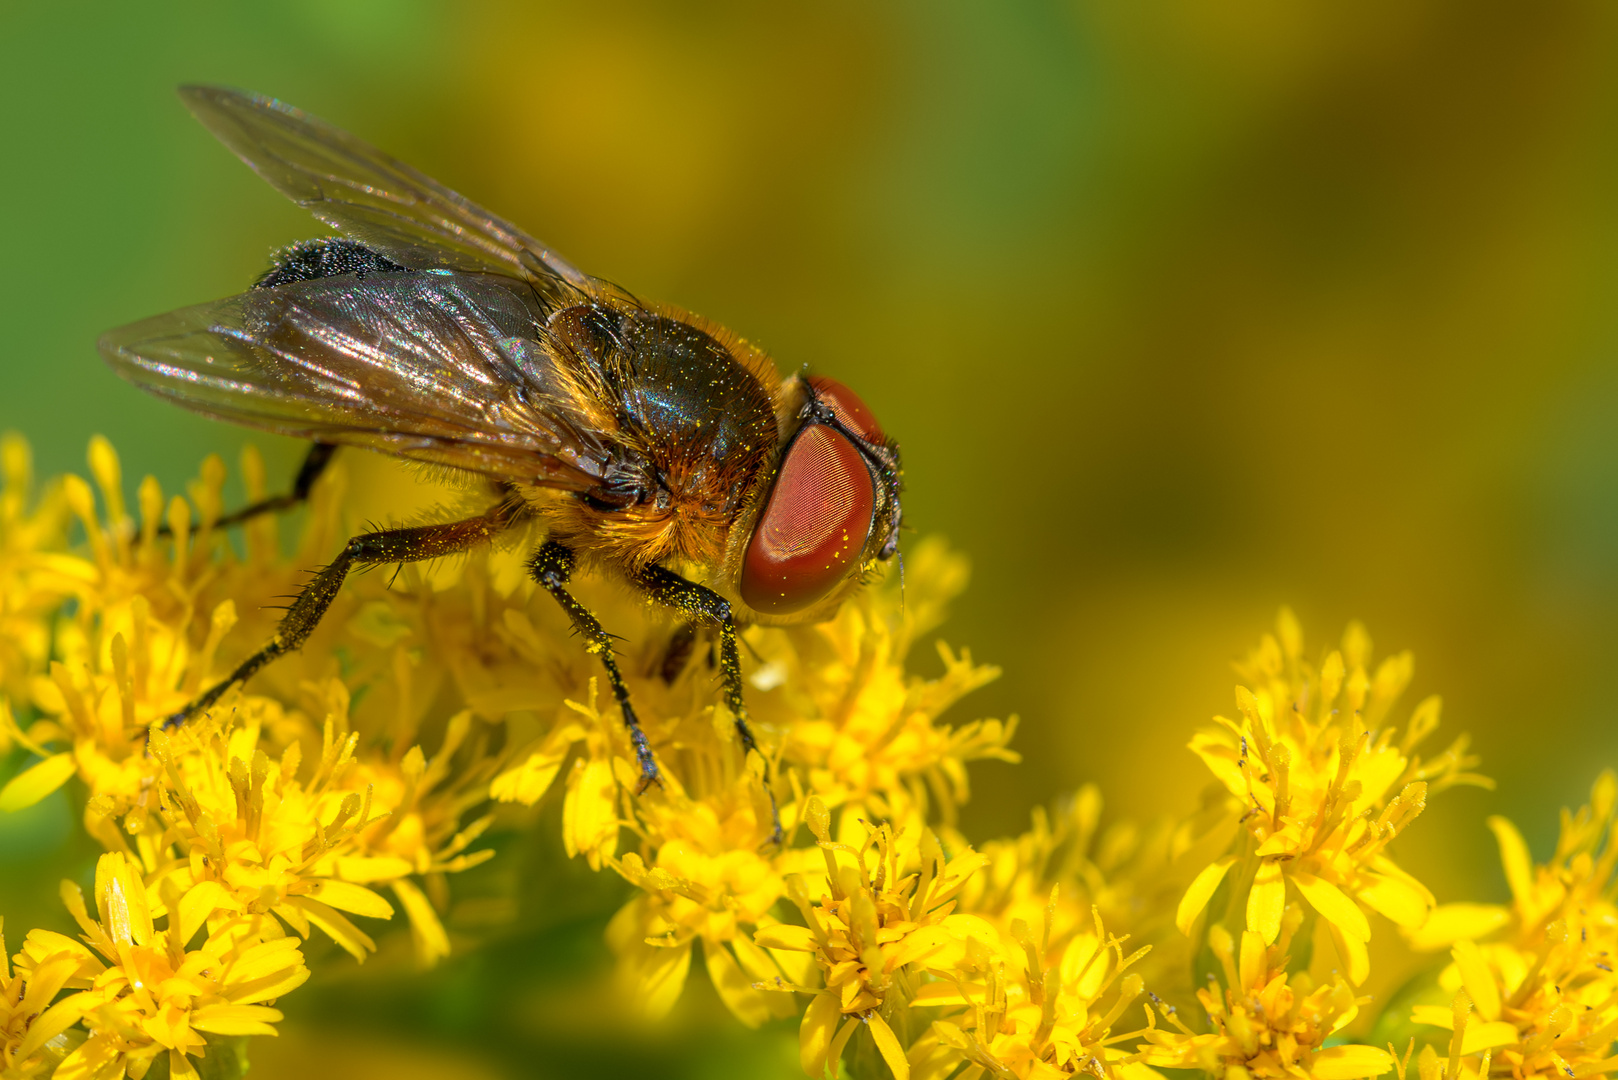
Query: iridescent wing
x=437 y=366
x=384 y=204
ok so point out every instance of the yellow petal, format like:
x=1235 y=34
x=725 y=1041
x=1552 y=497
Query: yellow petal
x=1428 y=1064
x=1478 y=980
x=265 y=958
x=927 y=946
x=28 y=787
x=48 y=977
x=1202 y=889
x=235 y=1019
x=1437 y=1015
x=956 y=873
x=735 y=988
x=590 y=811
x=531 y=779
x=1519 y=866
x=432 y=943
x=347 y=896
x=834 y=1054
x=1252 y=963
x=1450 y=923
x=180 y=1066
x=815 y=1033
x=369 y=868
x=1335 y=905
x=1220 y=757
x=55 y=1020
x=1136 y=1070
x=786 y=936
x=1388 y=868
x=939 y=993
x=1356 y=959
x=1350 y=1062
x=96 y=1058
x=888 y=1043
x=761 y=967
x=1481 y=1035
x=1488 y=1036
x=121 y=897
x=353 y=940
x=199 y=903
x=659 y=976
x=1397 y=900
x=1266 y=900
x=265 y=971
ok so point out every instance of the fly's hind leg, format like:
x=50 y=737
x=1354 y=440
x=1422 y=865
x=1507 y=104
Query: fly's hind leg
x=701 y=604
x=552 y=568
x=314 y=463
x=367 y=549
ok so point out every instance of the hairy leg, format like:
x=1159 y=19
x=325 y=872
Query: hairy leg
x=701 y=604
x=552 y=568
x=367 y=549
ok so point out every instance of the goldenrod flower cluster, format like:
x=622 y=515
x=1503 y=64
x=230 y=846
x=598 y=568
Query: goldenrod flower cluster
x=354 y=780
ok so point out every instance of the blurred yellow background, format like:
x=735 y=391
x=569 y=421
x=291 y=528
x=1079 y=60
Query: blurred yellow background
x=1180 y=312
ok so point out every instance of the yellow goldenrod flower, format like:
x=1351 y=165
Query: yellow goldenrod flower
x=1267 y=1022
x=24 y=996
x=236 y=834
x=140 y=992
x=1542 y=999
x=707 y=874
x=34 y=577
x=333 y=779
x=1035 y=1004
x=823 y=875
x=1320 y=784
x=877 y=918
x=895 y=941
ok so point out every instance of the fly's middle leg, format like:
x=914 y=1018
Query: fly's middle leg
x=552 y=568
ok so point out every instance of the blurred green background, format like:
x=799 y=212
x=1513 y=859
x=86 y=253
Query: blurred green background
x=1180 y=312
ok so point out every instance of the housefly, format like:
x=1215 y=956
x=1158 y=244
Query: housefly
x=644 y=441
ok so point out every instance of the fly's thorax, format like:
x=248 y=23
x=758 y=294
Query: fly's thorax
x=691 y=427
x=690 y=411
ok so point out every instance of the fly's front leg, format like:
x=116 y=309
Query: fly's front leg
x=314 y=463
x=552 y=568
x=701 y=604
x=367 y=549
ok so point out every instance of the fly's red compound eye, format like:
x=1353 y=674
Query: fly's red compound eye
x=848 y=407
x=814 y=526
